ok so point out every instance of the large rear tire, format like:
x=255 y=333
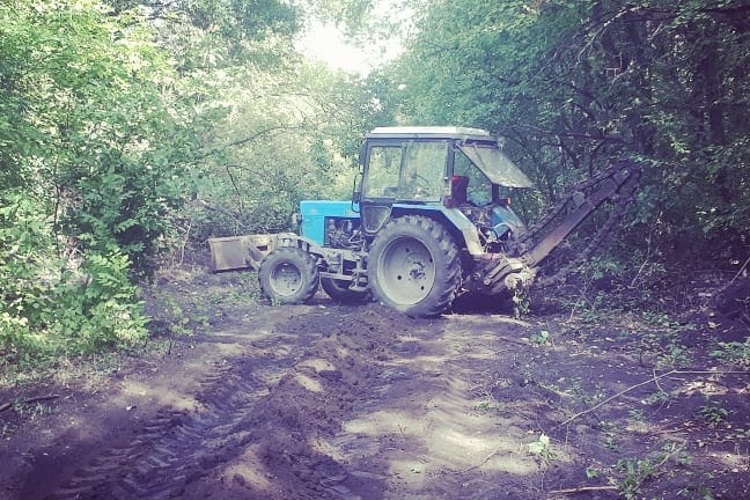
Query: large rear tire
x=414 y=266
x=289 y=276
x=339 y=291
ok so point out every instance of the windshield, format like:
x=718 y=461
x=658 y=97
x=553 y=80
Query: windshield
x=413 y=170
x=495 y=165
x=423 y=170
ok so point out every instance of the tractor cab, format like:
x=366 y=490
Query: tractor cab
x=457 y=175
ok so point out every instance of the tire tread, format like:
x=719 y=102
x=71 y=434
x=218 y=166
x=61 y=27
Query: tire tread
x=448 y=279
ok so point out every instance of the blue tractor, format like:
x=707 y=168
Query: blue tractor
x=429 y=220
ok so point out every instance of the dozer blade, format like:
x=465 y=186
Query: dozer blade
x=240 y=252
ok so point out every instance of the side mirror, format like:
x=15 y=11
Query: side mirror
x=357 y=189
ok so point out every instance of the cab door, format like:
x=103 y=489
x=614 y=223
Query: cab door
x=407 y=171
x=382 y=164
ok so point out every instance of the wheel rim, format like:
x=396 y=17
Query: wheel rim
x=286 y=279
x=406 y=272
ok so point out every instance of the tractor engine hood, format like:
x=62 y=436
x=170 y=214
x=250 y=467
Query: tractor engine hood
x=495 y=165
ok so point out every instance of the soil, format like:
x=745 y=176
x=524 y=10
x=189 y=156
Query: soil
x=329 y=401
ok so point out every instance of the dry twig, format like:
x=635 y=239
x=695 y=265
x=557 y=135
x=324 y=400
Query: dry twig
x=582 y=489
x=486 y=459
x=655 y=380
x=5 y=406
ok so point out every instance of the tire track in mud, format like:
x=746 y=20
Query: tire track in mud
x=263 y=420
x=175 y=447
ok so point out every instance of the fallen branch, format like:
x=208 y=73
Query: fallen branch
x=5 y=406
x=487 y=459
x=655 y=380
x=742 y=270
x=582 y=489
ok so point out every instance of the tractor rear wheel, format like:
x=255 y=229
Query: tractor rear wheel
x=289 y=275
x=414 y=266
x=339 y=291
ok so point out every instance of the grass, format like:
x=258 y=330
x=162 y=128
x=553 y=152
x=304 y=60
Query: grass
x=713 y=414
x=736 y=353
x=88 y=370
x=542 y=449
x=490 y=407
x=635 y=472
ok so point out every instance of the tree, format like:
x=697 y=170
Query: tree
x=91 y=149
x=294 y=134
x=114 y=115
x=574 y=85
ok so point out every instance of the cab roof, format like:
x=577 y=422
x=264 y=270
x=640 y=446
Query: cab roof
x=418 y=132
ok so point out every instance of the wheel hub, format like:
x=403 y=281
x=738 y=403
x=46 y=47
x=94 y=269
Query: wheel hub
x=407 y=271
x=286 y=279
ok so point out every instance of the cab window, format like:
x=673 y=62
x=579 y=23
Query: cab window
x=383 y=172
x=423 y=173
x=479 y=188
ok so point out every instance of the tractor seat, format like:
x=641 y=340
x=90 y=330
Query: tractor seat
x=459 y=186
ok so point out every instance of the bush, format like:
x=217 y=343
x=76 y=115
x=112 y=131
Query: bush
x=98 y=309
x=49 y=307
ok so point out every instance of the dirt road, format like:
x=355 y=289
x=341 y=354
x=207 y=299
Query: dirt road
x=329 y=401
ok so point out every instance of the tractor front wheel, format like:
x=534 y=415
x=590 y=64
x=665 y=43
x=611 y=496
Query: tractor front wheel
x=289 y=275
x=414 y=266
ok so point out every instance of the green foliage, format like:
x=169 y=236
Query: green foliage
x=113 y=114
x=236 y=19
x=733 y=352
x=175 y=316
x=592 y=472
x=541 y=338
x=77 y=313
x=713 y=414
x=490 y=406
x=637 y=421
x=521 y=301
x=91 y=149
x=224 y=30
x=659 y=397
x=663 y=340
x=94 y=138
x=108 y=301
x=575 y=85
x=281 y=143
x=675 y=355
x=543 y=450
x=25 y=261
x=635 y=473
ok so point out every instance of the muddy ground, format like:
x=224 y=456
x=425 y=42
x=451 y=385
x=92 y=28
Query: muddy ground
x=328 y=401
